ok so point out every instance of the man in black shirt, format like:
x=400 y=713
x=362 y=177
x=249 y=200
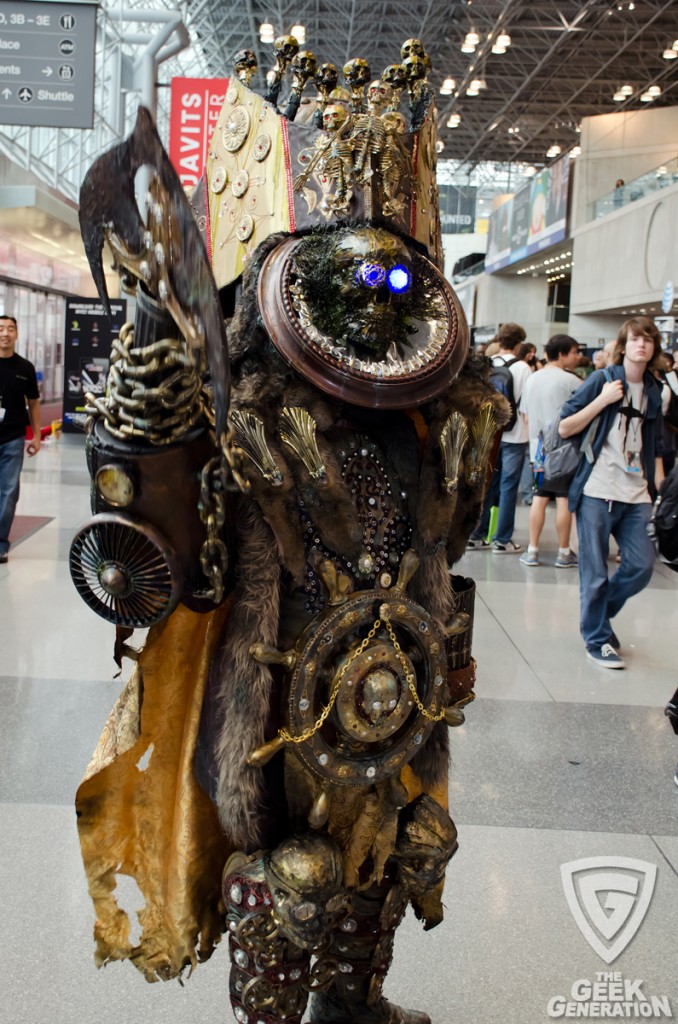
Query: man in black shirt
x=19 y=404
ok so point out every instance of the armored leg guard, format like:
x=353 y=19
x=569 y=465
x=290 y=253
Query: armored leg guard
x=269 y=975
x=363 y=946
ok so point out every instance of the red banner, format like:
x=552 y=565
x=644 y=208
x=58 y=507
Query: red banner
x=195 y=106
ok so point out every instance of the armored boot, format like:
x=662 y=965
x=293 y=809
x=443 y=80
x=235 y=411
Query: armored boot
x=280 y=906
x=363 y=945
x=269 y=975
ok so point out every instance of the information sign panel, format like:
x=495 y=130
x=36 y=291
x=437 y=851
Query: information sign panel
x=88 y=339
x=47 y=63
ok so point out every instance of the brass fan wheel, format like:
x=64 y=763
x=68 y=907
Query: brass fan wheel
x=125 y=571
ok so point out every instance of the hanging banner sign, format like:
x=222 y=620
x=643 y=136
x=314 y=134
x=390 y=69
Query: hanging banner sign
x=532 y=220
x=194 y=110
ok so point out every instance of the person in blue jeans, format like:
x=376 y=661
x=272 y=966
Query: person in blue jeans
x=614 y=487
x=503 y=488
x=19 y=402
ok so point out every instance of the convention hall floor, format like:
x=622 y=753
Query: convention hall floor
x=558 y=761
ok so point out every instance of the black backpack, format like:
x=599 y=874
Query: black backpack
x=501 y=379
x=671 y=414
x=664 y=524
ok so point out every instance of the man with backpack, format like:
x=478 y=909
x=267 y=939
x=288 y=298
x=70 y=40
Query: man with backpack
x=542 y=398
x=509 y=376
x=613 y=490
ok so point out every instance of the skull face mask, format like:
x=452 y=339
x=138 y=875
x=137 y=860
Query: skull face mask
x=358 y=283
x=304 y=875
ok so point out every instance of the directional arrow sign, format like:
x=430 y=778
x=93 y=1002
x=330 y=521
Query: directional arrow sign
x=35 y=36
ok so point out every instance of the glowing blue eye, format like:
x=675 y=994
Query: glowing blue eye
x=370 y=274
x=398 y=279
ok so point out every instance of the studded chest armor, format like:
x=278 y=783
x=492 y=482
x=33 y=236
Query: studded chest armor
x=381 y=506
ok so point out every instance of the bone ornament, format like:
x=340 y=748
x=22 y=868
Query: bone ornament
x=395 y=75
x=245 y=66
x=284 y=49
x=357 y=74
x=303 y=67
x=325 y=79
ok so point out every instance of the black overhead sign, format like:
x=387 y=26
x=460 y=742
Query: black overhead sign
x=47 y=63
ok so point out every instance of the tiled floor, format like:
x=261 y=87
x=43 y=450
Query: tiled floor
x=559 y=761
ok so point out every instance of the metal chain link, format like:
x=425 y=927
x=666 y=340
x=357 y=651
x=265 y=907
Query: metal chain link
x=212 y=510
x=410 y=678
x=312 y=730
x=134 y=409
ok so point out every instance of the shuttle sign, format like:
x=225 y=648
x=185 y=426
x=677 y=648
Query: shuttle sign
x=47 y=63
x=195 y=107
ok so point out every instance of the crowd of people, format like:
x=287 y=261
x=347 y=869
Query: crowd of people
x=620 y=405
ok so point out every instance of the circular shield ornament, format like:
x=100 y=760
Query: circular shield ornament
x=240 y=184
x=405 y=377
x=244 y=227
x=219 y=179
x=376 y=725
x=262 y=147
x=236 y=129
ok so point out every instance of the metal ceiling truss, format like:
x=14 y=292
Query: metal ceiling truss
x=566 y=59
x=61 y=156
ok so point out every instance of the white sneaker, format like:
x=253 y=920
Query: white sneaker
x=505 y=549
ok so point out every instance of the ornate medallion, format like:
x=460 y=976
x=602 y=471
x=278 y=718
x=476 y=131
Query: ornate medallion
x=219 y=179
x=240 y=183
x=244 y=227
x=262 y=147
x=236 y=129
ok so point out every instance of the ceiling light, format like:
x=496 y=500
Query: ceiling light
x=646 y=97
x=445 y=92
x=530 y=171
x=674 y=45
x=655 y=90
x=627 y=90
x=266 y=32
x=299 y=33
x=670 y=54
x=472 y=37
x=440 y=146
x=575 y=152
x=496 y=48
x=504 y=39
x=619 y=96
x=454 y=120
x=472 y=91
x=468 y=48
x=449 y=83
